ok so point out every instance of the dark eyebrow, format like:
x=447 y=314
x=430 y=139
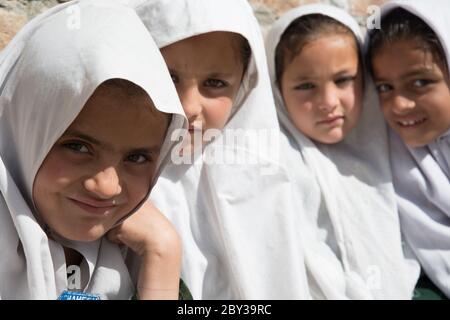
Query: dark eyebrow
x=220 y=75
x=86 y=137
x=409 y=74
x=346 y=72
x=151 y=150
x=303 y=78
x=106 y=146
x=417 y=72
x=208 y=75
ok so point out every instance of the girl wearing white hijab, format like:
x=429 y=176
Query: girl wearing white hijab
x=351 y=232
x=74 y=163
x=235 y=220
x=410 y=64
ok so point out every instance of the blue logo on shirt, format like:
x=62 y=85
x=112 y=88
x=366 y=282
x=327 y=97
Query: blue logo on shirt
x=71 y=295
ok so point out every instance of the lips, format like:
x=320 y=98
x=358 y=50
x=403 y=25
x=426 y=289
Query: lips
x=408 y=123
x=93 y=206
x=331 y=120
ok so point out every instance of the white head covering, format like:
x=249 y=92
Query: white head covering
x=421 y=175
x=238 y=239
x=48 y=72
x=361 y=255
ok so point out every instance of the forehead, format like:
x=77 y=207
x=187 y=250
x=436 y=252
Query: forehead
x=213 y=50
x=331 y=52
x=402 y=57
x=121 y=120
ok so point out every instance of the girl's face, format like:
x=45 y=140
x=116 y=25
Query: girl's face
x=414 y=92
x=101 y=168
x=207 y=71
x=322 y=88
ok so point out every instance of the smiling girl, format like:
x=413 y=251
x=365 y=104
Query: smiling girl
x=82 y=140
x=336 y=148
x=410 y=65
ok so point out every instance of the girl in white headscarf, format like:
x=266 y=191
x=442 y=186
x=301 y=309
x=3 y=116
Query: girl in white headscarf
x=410 y=64
x=82 y=140
x=351 y=232
x=235 y=219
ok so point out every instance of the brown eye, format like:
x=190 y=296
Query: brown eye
x=421 y=83
x=305 y=86
x=175 y=78
x=383 y=88
x=215 y=83
x=138 y=158
x=345 y=80
x=76 y=147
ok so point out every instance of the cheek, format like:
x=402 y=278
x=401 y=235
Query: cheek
x=348 y=99
x=53 y=176
x=437 y=104
x=217 y=112
x=385 y=110
x=137 y=189
x=352 y=100
x=384 y=105
x=298 y=103
x=300 y=110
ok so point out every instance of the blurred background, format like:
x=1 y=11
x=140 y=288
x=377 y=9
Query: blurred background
x=15 y=13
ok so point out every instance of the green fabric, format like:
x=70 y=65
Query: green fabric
x=427 y=290
x=184 y=294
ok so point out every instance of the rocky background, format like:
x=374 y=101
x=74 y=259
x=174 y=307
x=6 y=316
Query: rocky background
x=15 y=13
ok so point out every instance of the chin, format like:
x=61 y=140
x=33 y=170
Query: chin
x=415 y=144
x=331 y=139
x=90 y=235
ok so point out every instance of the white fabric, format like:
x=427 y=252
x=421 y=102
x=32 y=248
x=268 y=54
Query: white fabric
x=421 y=175
x=354 y=250
x=48 y=72
x=235 y=220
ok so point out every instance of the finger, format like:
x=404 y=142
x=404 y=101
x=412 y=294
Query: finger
x=113 y=235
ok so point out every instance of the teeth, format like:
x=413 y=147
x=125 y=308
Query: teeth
x=410 y=123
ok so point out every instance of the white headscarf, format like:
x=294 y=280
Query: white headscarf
x=234 y=220
x=354 y=215
x=421 y=175
x=48 y=72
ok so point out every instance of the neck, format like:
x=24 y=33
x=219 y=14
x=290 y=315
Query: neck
x=73 y=257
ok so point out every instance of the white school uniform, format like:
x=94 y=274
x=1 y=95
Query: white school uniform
x=235 y=220
x=354 y=247
x=421 y=175
x=47 y=73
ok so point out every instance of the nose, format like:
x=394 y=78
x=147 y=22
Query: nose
x=401 y=104
x=191 y=99
x=328 y=98
x=105 y=184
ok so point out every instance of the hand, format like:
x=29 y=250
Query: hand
x=146 y=231
x=153 y=238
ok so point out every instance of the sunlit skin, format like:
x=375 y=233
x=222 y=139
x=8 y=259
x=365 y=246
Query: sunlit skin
x=414 y=92
x=101 y=168
x=207 y=71
x=322 y=88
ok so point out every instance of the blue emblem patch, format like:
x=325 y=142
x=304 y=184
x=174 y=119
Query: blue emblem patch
x=71 y=295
